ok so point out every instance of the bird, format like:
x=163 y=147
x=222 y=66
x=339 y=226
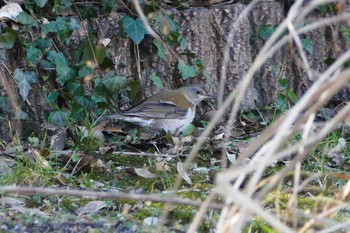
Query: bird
x=168 y=110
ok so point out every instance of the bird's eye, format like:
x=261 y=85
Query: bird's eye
x=198 y=92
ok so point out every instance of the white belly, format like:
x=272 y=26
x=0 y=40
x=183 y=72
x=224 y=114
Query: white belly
x=176 y=125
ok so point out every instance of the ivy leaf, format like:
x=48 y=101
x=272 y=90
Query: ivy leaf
x=26 y=19
x=59 y=118
x=55 y=26
x=78 y=112
x=160 y=49
x=134 y=28
x=40 y=3
x=266 y=31
x=5 y=104
x=113 y=83
x=63 y=70
x=82 y=100
x=43 y=44
x=186 y=70
x=85 y=71
x=24 y=81
x=308 y=45
x=64 y=73
x=52 y=97
x=346 y=32
x=183 y=42
x=107 y=5
x=134 y=90
x=33 y=55
x=99 y=95
x=189 y=130
x=75 y=88
x=20 y=115
x=157 y=81
x=99 y=51
x=7 y=39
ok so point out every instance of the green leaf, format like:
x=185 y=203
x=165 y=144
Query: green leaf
x=160 y=49
x=283 y=82
x=43 y=44
x=134 y=90
x=107 y=5
x=76 y=88
x=88 y=12
x=204 y=123
x=20 y=115
x=85 y=71
x=26 y=19
x=82 y=100
x=99 y=95
x=7 y=39
x=281 y=101
x=51 y=97
x=72 y=24
x=114 y=83
x=134 y=28
x=189 y=130
x=24 y=81
x=78 y=112
x=308 y=45
x=99 y=51
x=33 y=55
x=183 y=42
x=59 y=118
x=157 y=81
x=266 y=31
x=346 y=32
x=173 y=26
x=40 y=3
x=57 y=58
x=55 y=26
x=292 y=96
x=5 y=104
x=64 y=73
x=186 y=70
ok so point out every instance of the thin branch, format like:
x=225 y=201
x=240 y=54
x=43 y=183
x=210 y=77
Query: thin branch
x=105 y=195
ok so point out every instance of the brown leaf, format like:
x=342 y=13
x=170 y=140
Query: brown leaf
x=91 y=207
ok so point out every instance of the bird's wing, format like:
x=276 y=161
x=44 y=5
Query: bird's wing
x=158 y=110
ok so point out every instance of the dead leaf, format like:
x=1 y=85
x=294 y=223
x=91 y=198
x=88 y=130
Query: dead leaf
x=10 y=201
x=10 y=11
x=143 y=172
x=58 y=140
x=91 y=207
x=183 y=173
x=336 y=153
x=106 y=150
x=29 y=211
x=104 y=41
x=151 y=221
x=162 y=166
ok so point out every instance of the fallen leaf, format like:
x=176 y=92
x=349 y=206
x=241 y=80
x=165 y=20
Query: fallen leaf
x=30 y=211
x=143 y=172
x=183 y=173
x=91 y=207
x=10 y=11
x=151 y=221
x=10 y=201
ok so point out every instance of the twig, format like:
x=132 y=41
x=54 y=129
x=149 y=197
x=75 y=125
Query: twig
x=105 y=195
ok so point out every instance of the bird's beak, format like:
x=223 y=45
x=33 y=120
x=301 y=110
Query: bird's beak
x=208 y=97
